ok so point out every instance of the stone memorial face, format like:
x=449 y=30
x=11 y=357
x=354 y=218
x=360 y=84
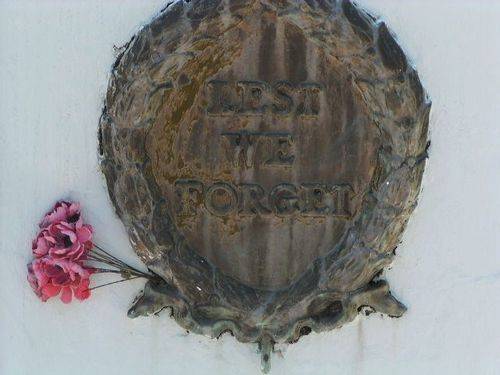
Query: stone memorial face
x=265 y=157
x=262 y=173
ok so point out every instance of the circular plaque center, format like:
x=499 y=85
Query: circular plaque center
x=266 y=166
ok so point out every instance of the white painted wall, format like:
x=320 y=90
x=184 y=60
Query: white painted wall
x=55 y=58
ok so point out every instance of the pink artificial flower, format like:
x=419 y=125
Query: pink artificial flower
x=68 y=212
x=50 y=277
x=61 y=248
x=63 y=234
x=64 y=240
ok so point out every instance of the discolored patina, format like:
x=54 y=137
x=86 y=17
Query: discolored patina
x=265 y=157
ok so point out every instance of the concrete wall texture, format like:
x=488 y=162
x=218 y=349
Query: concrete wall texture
x=55 y=58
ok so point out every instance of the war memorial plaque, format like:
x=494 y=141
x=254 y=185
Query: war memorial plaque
x=265 y=157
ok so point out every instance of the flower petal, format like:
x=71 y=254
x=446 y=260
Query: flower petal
x=66 y=295
x=50 y=290
x=82 y=292
x=84 y=233
x=58 y=213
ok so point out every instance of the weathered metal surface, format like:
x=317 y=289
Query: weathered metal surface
x=265 y=157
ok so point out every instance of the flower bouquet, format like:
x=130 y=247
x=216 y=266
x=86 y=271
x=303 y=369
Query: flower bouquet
x=65 y=257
